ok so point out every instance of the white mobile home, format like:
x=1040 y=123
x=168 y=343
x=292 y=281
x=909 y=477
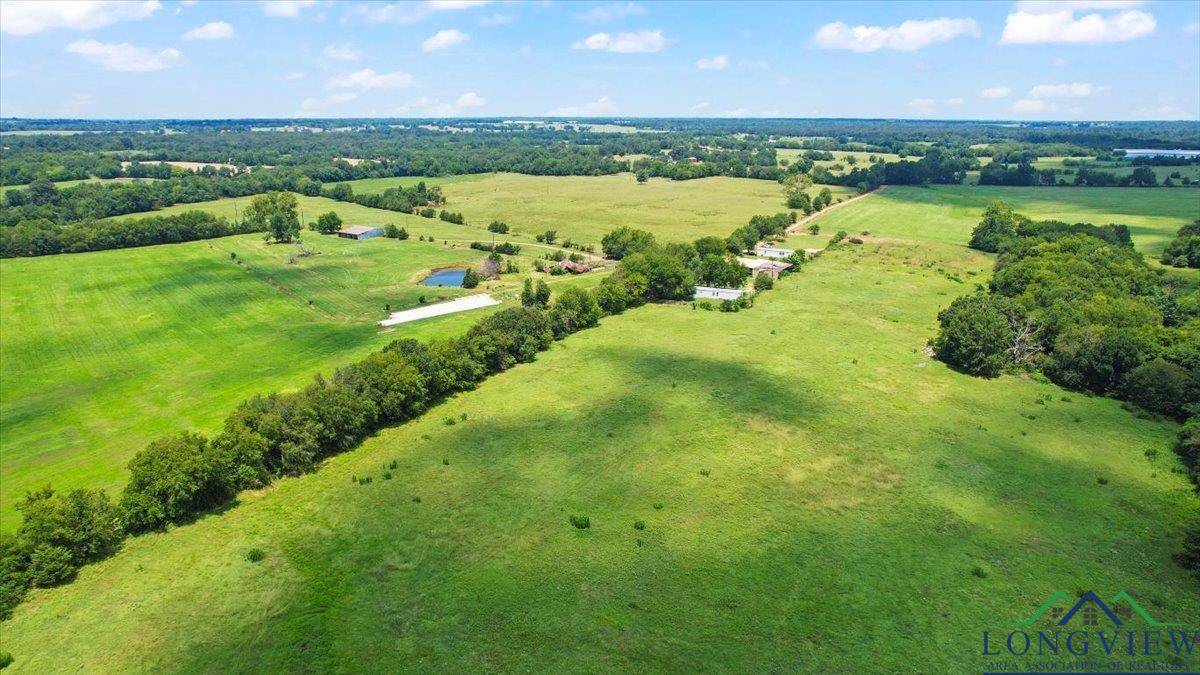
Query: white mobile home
x=717 y=293
x=773 y=252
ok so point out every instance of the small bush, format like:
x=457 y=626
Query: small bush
x=387 y=475
x=639 y=524
x=6 y=660
x=705 y=472
x=979 y=572
x=1189 y=557
x=1102 y=480
x=445 y=462
x=581 y=522
x=449 y=421
x=416 y=500
x=658 y=506
x=255 y=555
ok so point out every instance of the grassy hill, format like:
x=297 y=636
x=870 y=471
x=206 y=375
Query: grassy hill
x=816 y=492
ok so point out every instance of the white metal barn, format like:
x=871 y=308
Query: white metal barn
x=717 y=293
x=773 y=252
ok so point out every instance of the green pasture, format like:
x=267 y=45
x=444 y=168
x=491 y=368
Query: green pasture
x=816 y=494
x=947 y=214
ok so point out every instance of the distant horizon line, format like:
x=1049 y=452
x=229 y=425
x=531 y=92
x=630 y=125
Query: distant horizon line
x=608 y=118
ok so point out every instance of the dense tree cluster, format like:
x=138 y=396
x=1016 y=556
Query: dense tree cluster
x=939 y=165
x=1080 y=303
x=1184 y=249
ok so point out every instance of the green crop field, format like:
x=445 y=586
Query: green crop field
x=103 y=352
x=948 y=213
x=817 y=494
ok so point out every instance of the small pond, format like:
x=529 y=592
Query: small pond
x=445 y=278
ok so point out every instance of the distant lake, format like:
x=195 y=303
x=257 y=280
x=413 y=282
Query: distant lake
x=446 y=278
x=1188 y=154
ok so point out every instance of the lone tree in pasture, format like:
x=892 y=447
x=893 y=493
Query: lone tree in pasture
x=328 y=223
x=642 y=177
x=275 y=212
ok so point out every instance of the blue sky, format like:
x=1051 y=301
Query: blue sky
x=1096 y=59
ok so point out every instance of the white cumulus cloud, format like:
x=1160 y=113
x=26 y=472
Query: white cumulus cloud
x=1036 y=23
x=908 y=36
x=367 y=78
x=470 y=100
x=644 y=41
x=715 y=63
x=345 y=52
x=124 y=56
x=28 y=18
x=1069 y=90
x=612 y=12
x=601 y=106
x=444 y=39
x=412 y=12
x=214 y=30
x=286 y=8
x=996 y=92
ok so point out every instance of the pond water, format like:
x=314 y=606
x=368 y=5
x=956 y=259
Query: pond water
x=446 y=278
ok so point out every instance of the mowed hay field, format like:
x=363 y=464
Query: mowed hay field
x=817 y=495
x=585 y=208
x=947 y=214
x=102 y=352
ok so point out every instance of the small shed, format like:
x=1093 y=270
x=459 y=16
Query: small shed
x=771 y=268
x=573 y=267
x=773 y=252
x=359 y=232
x=717 y=293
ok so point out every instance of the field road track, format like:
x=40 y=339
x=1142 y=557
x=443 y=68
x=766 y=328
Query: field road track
x=799 y=226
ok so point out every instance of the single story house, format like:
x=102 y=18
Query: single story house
x=359 y=232
x=773 y=252
x=717 y=293
x=771 y=268
x=573 y=267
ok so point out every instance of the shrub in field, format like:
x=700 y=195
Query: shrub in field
x=328 y=223
x=1189 y=557
x=574 y=310
x=1187 y=446
x=763 y=282
x=50 y=566
x=999 y=224
x=581 y=522
x=255 y=555
x=1163 y=387
x=1184 y=250
x=172 y=478
x=625 y=240
x=975 y=334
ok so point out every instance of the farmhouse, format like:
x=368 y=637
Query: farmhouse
x=771 y=268
x=717 y=293
x=573 y=267
x=359 y=232
x=773 y=252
